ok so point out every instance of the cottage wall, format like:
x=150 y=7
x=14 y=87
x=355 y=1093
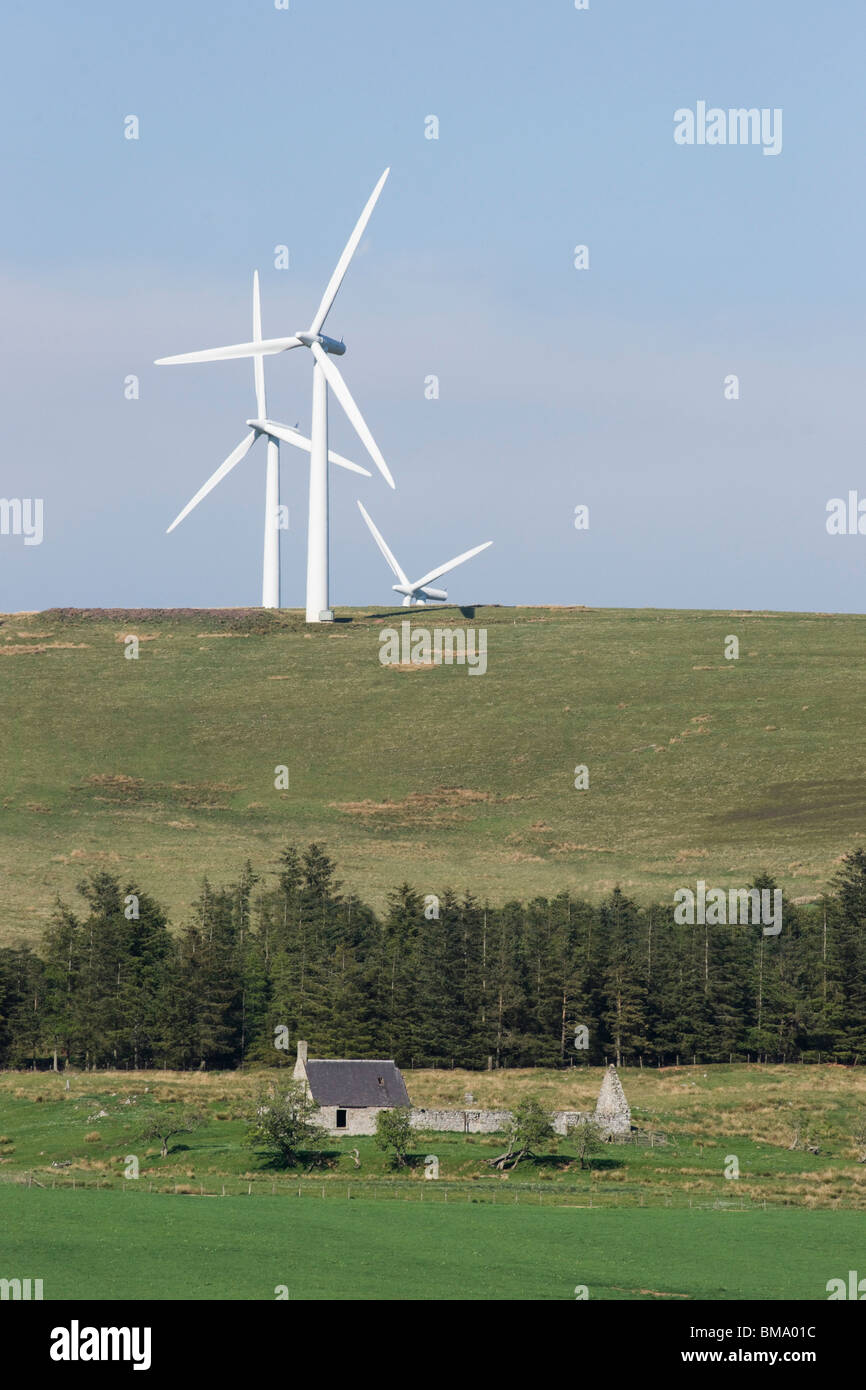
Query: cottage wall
x=360 y=1120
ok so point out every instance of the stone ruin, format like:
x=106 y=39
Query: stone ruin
x=612 y=1112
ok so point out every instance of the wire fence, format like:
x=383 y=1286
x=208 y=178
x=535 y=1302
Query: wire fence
x=492 y=1191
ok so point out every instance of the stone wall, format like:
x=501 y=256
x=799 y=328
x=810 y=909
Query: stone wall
x=563 y=1118
x=485 y=1121
x=461 y=1121
x=363 y=1121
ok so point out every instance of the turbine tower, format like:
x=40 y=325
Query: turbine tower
x=419 y=592
x=325 y=374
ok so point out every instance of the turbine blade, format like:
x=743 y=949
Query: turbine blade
x=347 y=463
x=344 y=396
x=383 y=546
x=452 y=564
x=234 y=457
x=258 y=361
x=343 y=263
x=224 y=354
x=300 y=441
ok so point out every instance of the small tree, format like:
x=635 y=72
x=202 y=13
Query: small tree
x=804 y=1139
x=165 y=1127
x=394 y=1133
x=283 y=1123
x=587 y=1140
x=530 y=1128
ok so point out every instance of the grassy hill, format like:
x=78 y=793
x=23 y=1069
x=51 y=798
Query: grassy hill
x=163 y=767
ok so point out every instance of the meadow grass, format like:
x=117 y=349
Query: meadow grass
x=88 y=1245
x=707 y=1115
x=162 y=769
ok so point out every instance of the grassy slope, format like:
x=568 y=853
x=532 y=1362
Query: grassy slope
x=707 y=1115
x=112 y=1246
x=163 y=767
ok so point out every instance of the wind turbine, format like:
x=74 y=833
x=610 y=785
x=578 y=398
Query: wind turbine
x=273 y=433
x=420 y=591
x=325 y=374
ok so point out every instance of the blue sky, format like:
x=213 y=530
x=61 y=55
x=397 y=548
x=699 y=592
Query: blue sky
x=261 y=127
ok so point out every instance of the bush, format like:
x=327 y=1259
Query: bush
x=283 y=1123
x=394 y=1133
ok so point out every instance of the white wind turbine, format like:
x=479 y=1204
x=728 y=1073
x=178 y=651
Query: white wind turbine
x=325 y=374
x=273 y=433
x=420 y=591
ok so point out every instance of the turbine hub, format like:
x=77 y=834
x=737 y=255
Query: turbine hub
x=329 y=344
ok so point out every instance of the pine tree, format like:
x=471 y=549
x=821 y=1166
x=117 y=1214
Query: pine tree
x=624 y=1012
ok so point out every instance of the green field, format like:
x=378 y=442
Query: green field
x=214 y=1220
x=112 y=1246
x=163 y=768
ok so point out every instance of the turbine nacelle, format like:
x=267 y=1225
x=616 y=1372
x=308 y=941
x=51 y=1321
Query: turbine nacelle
x=329 y=344
x=271 y=429
x=420 y=596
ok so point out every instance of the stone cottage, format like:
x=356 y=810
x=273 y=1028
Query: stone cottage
x=350 y=1093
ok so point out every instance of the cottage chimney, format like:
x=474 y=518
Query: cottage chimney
x=300 y=1071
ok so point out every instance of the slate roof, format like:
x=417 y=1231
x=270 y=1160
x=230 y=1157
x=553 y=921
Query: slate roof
x=356 y=1084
